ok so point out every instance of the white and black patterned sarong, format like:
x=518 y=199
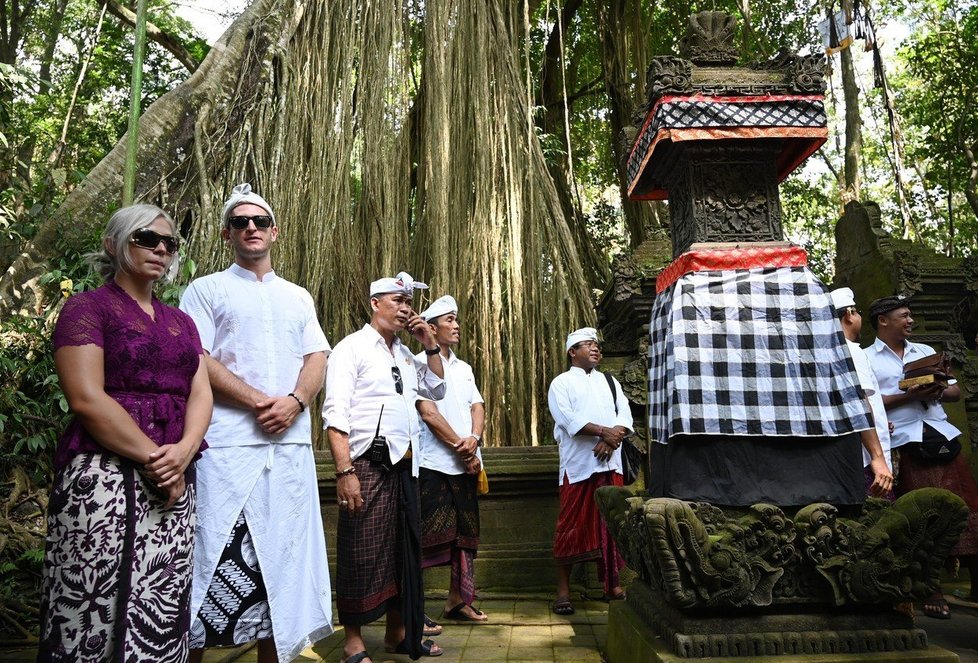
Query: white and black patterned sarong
x=116 y=566
x=235 y=610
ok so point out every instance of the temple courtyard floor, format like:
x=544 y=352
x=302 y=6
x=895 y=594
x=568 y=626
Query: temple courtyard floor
x=526 y=630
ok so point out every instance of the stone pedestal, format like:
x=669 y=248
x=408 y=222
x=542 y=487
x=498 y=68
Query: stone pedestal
x=631 y=638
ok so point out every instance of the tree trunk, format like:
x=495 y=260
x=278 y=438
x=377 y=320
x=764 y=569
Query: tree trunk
x=640 y=217
x=166 y=153
x=854 y=127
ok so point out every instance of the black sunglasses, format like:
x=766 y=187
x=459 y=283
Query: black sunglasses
x=398 y=382
x=149 y=239
x=261 y=222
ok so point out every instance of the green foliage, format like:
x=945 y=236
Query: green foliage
x=809 y=214
x=33 y=409
x=934 y=90
x=38 y=171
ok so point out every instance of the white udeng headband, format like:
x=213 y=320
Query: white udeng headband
x=578 y=335
x=403 y=283
x=243 y=195
x=441 y=306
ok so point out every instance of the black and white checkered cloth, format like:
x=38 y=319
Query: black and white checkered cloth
x=750 y=352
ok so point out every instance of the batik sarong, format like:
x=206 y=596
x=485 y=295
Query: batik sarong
x=581 y=534
x=450 y=526
x=117 y=566
x=235 y=610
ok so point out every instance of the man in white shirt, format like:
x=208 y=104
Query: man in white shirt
x=372 y=424
x=451 y=460
x=876 y=441
x=918 y=418
x=260 y=561
x=591 y=418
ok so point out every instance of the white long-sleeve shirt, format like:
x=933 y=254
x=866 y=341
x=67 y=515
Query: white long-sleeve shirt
x=908 y=419
x=577 y=398
x=461 y=393
x=361 y=378
x=871 y=387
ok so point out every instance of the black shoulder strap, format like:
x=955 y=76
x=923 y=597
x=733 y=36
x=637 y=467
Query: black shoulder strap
x=614 y=392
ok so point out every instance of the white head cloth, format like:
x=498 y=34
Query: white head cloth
x=441 y=306
x=842 y=298
x=403 y=283
x=243 y=195
x=582 y=334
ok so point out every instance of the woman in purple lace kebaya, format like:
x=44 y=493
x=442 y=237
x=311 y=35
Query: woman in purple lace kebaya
x=121 y=515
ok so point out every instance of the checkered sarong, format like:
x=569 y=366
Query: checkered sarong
x=750 y=352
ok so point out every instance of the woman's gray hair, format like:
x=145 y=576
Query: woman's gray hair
x=120 y=228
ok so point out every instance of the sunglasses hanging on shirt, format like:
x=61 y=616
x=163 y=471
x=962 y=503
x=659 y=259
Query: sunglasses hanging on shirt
x=262 y=222
x=149 y=239
x=398 y=382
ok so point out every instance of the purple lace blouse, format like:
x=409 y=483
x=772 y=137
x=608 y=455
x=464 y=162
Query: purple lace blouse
x=149 y=364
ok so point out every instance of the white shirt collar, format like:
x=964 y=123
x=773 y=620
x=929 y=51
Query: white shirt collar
x=879 y=346
x=249 y=275
x=379 y=340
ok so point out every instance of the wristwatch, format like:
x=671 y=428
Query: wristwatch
x=478 y=438
x=433 y=351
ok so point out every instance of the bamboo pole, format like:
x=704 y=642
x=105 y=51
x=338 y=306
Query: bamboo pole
x=135 y=96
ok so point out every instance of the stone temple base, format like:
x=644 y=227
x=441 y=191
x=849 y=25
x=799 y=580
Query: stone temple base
x=644 y=628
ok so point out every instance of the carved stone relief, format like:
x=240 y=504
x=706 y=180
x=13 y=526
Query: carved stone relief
x=710 y=38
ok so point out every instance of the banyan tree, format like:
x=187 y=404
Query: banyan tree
x=389 y=135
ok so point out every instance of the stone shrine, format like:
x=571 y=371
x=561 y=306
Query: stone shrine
x=756 y=540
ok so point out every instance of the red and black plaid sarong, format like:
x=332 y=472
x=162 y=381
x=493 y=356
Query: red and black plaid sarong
x=581 y=534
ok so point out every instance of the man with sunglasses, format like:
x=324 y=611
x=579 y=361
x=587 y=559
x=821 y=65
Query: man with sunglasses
x=591 y=418
x=372 y=387
x=260 y=570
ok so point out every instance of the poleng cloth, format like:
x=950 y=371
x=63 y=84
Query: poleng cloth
x=750 y=352
x=799 y=121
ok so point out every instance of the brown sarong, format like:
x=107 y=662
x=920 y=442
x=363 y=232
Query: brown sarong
x=366 y=547
x=378 y=563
